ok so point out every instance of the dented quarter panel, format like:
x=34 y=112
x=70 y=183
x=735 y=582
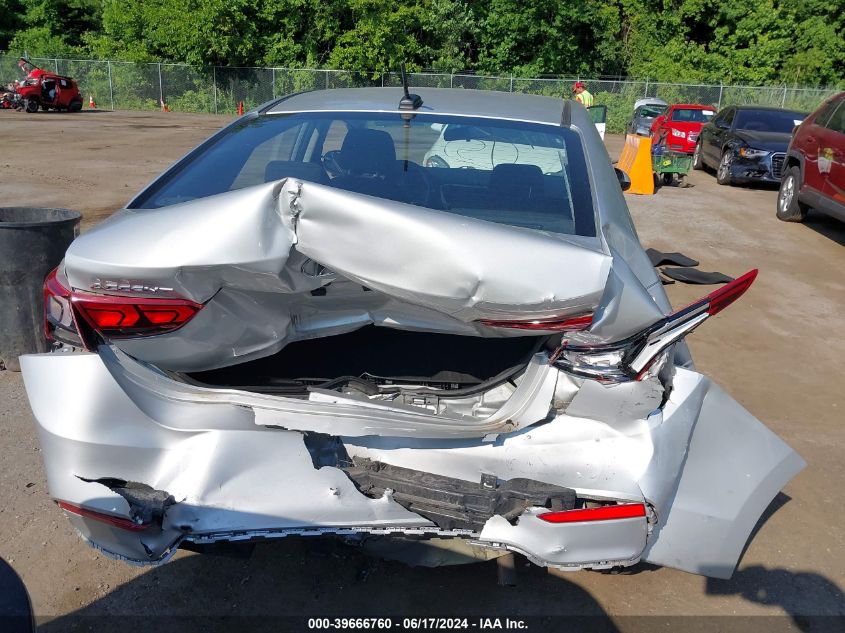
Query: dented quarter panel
x=733 y=469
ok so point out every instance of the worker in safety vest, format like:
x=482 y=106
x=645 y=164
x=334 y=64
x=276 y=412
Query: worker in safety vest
x=581 y=95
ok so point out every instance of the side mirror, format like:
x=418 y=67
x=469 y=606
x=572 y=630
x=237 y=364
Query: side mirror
x=624 y=180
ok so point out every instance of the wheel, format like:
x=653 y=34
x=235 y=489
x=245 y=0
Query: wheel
x=668 y=179
x=75 y=106
x=697 y=161
x=789 y=208
x=723 y=174
x=31 y=105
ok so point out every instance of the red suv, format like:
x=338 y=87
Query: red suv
x=814 y=176
x=678 y=128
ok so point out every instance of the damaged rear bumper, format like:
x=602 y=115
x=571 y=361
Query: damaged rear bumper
x=218 y=465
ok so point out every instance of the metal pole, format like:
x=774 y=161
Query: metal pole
x=111 y=86
x=721 y=86
x=511 y=83
x=160 y=88
x=783 y=101
x=646 y=87
x=327 y=79
x=274 y=82
x=214 y=80
x=451 y=80
x=57 y=65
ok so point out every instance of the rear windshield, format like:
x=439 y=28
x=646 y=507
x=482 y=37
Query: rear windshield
x=768 y=120
x=651 y=111
x=522 y=174
x=691 y=115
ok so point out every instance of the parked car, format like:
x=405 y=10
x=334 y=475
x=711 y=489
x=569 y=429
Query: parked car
x=679 y=126
x=746 y=143
x=645 y=111
x=301 y=328
x=814 y=175
x=480 y=147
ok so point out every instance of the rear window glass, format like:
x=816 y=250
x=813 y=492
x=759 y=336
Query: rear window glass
x=781 y=121
x=651 y=111
x=691 y=115
x=522 y=174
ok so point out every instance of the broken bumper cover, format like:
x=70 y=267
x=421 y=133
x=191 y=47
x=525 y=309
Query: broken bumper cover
x=216 y=473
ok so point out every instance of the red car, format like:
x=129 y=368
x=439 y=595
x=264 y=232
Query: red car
x=49 y=91
x=814 y=174
x=678 y=128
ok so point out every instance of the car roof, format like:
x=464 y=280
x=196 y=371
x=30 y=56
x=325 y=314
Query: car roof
x=767 y=108
x=456 y=101
x=691 y=106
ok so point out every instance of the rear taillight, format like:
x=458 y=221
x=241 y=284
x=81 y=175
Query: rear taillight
x=602 y=513
x=631 y=358
x=73 y=317
x=561 y=324
x=115 y=521
x=116 y=317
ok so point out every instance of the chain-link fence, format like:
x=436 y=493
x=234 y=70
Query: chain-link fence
x=220 y=90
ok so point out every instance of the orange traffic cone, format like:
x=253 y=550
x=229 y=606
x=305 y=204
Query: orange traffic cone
x=91 y=103
x=164 y=106
x=240 y=108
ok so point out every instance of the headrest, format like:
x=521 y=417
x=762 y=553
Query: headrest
x=367 y=152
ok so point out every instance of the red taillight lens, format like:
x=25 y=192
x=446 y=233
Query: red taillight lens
x=119 y=522
x=727 y=294
x=130 y=316
x=603 y=513
x=562 y=324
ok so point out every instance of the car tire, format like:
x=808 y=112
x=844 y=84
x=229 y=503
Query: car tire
x=31 y=105
x=789 y=208
x=75 y=106
x=697 y=161
x=723 y=173
x=668 y=179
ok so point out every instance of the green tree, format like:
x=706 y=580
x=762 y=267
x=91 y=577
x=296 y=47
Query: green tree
x=54 y=28
x=548 y=36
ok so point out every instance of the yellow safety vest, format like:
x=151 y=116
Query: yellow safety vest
x=585 y=99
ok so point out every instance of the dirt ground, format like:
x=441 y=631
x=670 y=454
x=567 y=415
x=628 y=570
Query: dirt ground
x=779 y=351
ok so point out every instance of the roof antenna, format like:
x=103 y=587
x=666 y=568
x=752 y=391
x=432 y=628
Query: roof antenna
x=408 y=101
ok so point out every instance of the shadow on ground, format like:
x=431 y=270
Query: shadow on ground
x=282 y=584
x=831 y=228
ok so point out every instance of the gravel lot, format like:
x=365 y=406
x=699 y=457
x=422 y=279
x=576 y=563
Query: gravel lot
x=779 y=351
